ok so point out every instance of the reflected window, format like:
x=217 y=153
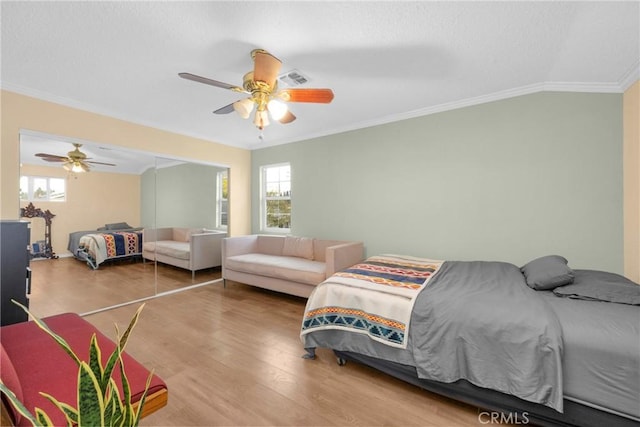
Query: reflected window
x=42 y=189
x=275 y=197
x=222 y=199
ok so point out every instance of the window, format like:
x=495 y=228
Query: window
x=42 y=188
x=222 y=200
x=275 y=203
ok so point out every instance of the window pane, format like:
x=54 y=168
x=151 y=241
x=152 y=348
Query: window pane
x=40 y=189
x=278 y=221
x=272 y=207
x=225 y=186
x=273 y=189
x=223 y=213
x=285 y=189
x=56 y=188
x=284 y=206
x=272 y=174
x=24 y=188
x=285 y=173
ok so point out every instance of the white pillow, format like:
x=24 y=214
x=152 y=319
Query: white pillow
x=301 y=247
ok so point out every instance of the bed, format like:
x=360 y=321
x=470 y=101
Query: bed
x=543 y=342
x=97 y=248
x=75 y=236
x=113 y=241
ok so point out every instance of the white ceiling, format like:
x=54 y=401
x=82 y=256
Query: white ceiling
x=385 y=61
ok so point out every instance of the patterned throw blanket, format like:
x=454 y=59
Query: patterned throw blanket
x=102 y=246
x=375 y=297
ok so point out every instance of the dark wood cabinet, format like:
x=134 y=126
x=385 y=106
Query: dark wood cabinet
x=15 y=274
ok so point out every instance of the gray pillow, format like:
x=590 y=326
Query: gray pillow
x=597 y=285
x=117 y=226
x=547 y=272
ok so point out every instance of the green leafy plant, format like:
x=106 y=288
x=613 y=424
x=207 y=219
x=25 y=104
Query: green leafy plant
x=99 y=401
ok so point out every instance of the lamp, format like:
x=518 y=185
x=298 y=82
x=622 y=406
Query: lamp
x=75 y=167
x=243 y=107
x=277 y=109
x=261 y=119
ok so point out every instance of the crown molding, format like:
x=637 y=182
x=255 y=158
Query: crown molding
x=628 y=79
x=478 y=100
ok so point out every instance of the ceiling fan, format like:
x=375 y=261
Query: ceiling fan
x=261 y=84
x=75 y=161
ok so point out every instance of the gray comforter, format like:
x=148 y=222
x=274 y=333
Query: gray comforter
x=601 y=360
x=480 y=322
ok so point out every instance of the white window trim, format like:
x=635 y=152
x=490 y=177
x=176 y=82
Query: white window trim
x=220 y=199
x=263 y=199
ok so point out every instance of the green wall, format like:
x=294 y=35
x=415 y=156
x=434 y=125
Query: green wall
x=509 y=180
x=180 y=196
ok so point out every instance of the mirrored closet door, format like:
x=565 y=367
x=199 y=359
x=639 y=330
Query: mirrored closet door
x=119 y=190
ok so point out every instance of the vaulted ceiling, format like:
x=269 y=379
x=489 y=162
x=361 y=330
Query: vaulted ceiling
x=385 y=61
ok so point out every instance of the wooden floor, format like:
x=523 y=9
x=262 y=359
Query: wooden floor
x=232 y=357
x=66 y=284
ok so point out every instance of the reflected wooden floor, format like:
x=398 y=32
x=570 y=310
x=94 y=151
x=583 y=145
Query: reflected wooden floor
x=68 y=285
x=232 y=357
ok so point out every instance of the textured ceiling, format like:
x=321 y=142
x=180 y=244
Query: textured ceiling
x=385 y=61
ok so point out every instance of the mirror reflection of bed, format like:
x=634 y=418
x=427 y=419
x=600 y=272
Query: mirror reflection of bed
x=157 y=192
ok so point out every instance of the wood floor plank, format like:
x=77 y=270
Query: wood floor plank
x=231 y=356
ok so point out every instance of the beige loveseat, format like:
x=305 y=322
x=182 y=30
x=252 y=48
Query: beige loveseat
x=189 y=248
x=293 y=265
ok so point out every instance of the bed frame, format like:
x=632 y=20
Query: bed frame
x=84 y=257
x=575 y=414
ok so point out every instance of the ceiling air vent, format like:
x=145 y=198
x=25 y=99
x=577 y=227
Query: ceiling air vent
x=292 y=78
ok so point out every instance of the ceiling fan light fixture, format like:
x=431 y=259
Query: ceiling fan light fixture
x=261 y=120
x=75 y=167
x=277 y=109
x=243 y=107
x=261 y=84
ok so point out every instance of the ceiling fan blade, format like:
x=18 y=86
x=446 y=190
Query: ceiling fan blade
x=211 y=82
x=321 y=96
x=99 y=163
x=288 y=118
x=51 y=157
x=224 y=110
x=266 y=67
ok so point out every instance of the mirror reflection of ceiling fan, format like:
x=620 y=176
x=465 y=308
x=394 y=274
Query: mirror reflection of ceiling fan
x=74 y=161
x=261 y=85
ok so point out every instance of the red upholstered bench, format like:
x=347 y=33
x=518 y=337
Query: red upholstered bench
x=32 y=362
